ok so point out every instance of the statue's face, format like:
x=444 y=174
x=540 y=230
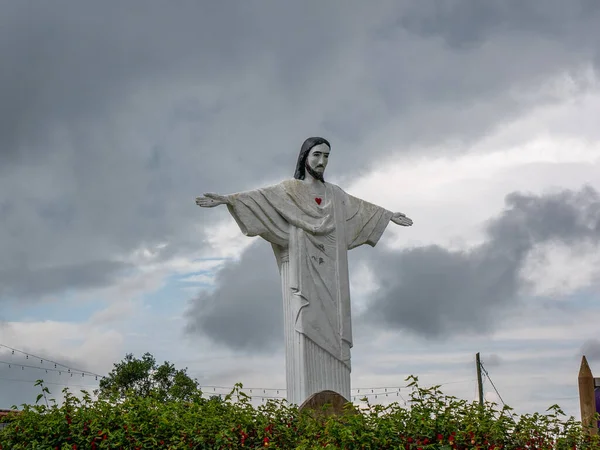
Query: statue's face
x=317 y=158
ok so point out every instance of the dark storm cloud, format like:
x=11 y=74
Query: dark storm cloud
x=245 y=311
x=492 y=360
x=115 y=115
x=433 y=291
x=430 y=291
x=465 y=23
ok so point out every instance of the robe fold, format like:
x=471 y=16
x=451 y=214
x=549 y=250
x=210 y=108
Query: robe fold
x=310 y=240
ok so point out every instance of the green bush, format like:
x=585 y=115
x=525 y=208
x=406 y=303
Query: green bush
x=434 y=421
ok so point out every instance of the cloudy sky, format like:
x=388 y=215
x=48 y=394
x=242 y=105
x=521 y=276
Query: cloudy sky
x=476 y=119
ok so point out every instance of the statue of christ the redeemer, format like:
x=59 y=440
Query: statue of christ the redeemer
x=311 y=225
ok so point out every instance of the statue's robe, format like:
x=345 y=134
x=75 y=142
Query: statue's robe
x=311 y=238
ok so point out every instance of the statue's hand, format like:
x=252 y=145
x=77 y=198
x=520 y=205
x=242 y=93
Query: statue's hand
x=401 y=219
x=209 y=200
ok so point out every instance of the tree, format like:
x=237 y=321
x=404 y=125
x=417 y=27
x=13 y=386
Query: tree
x=143 y=377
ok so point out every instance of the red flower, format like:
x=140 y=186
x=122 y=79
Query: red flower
x=266 y=442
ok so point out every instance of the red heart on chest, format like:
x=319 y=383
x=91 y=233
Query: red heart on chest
x=318 y=200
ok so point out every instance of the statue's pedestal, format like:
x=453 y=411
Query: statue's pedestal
x=335 y=404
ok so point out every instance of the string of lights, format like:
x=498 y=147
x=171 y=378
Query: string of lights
x=49 y=369
x=364 y=389
x=51 y=366
x=58 y=367
x=357 y=390
x=230 y=388
x=237 y=397
x=379 y=394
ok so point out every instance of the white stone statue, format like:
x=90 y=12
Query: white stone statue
x=311 y=225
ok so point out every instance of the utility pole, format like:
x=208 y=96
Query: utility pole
x=479 y=379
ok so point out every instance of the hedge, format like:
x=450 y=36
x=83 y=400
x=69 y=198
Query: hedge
x=433 y=421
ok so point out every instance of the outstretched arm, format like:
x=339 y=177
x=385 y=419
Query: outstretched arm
x=401 y=219
x=209 y=200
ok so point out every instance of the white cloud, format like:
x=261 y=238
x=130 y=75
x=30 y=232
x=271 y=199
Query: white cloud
x=557 y=270
x=450 y=197
x=95 y=347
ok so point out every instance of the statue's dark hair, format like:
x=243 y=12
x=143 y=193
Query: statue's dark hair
x=306 y=147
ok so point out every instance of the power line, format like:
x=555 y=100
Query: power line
x=456 y=382
x=487 y=375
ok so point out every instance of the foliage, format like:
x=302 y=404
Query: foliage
x=434 y=421
x=142 y=377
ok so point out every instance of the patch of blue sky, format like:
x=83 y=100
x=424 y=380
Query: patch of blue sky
x=586 y=297
x=172 y=298
x=66 y=308
x=203 y=279
x=212 y=262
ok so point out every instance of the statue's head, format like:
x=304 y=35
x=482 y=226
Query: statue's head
x=313 y=158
